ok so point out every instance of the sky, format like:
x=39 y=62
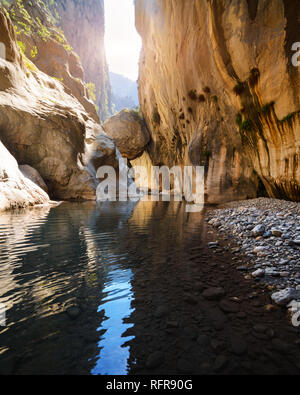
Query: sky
x=122 y=41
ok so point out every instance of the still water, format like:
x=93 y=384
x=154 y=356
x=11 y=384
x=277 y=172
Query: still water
x=66 y=281
x=117 y=288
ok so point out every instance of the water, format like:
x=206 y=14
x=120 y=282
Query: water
x=83 y=283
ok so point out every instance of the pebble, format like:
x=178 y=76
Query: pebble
x=155 y=360
x=267 y=233
x=213 y=293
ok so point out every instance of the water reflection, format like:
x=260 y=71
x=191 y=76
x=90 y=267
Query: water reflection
x=66 y=280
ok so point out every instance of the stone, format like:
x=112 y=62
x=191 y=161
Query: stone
x=155 y=360
x=129 y=133
x=161 y=311
x=228 y=306
x=34 y=176
x=43 y=123
x=258 y=273
x=220 y=363
x=185 y=366
x=258 y=230
x=276 y=232
x=238 y=344
x=73 y=312
x=16 y=190
x=284 y=296
x=213 y=293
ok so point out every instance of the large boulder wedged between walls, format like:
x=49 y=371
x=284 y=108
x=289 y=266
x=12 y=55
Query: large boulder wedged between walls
x=129 y=132
x=17 y=191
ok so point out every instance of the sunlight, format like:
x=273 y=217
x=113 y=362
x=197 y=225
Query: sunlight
x=123 y=44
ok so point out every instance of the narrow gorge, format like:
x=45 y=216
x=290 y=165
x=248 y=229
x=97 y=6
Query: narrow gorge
x=141 y=284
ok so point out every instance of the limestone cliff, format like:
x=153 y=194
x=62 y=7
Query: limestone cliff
x=43 y=125
x=83 y=25
x=217 y=88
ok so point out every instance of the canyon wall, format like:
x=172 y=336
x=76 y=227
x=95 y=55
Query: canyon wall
x=217 y=88
x=42 y=122
x=83 y=25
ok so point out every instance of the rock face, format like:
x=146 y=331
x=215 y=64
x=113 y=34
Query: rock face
x=129 y=132
x=34 y=176
x=217 y=88
x=17 y=191
x=83 y=24
x=45 y=127
x=46 y=47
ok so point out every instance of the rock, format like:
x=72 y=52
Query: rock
x=260 y=249
x=213 y=293
x=73 y=312
x=203 y=340
x=228 y=306
x=43 y=124
x=213 y=244
x=190 y=299
x=33 y=175
x=260 y=328
x=281 y=346
x=129 y=132
x=90 y=21
x=155 y=360
x=258 y=273
x=161 y=311
x=276 y=232
x=220 y=363
x=185 y=367
x=175 y=95
x=258 y=230
x=17 y=191
x=218 y=318
x=238 y=344
x=284 y=296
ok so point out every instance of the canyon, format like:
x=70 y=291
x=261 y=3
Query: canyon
x=217 y=88
x=139 y=286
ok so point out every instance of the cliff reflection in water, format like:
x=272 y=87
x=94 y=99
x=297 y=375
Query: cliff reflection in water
x=67 y=277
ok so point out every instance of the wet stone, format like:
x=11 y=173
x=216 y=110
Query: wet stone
x=155 y=360
x=220 y=363
x=213 y=293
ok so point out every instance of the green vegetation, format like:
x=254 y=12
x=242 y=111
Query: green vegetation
x=214 y=98
x=243 y=125
x=22 y=47
x=206 y=89
x=201 y=98
x=34 y=52
x=91 y=88
x=265 y=109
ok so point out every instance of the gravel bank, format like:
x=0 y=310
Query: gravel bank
x=266 y=232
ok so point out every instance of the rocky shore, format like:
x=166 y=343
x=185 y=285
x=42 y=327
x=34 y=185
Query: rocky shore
x=266 y=232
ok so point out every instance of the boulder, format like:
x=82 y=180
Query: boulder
x=129 y=132
x=34 y=176
x=16 y=190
